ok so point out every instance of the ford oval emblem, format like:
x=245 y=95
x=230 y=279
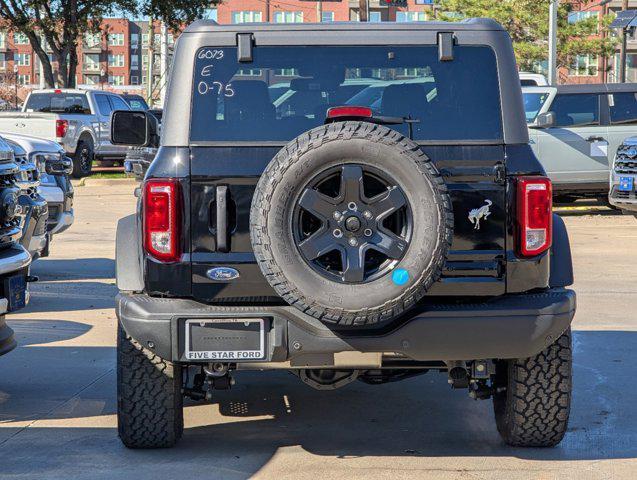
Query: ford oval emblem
x=222 y=274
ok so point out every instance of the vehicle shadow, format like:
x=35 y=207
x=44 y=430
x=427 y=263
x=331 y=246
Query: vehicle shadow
x=73 y=269
x=243 y=430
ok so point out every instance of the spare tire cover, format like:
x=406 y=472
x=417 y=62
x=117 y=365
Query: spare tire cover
x=351 y=223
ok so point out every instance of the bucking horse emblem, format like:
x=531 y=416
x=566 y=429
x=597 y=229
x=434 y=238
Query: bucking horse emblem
x=478 y=214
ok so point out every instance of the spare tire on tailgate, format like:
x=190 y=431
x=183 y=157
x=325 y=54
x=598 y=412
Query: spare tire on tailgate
x=351 y=223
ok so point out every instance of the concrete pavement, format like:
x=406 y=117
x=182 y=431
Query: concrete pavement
x=58 y=403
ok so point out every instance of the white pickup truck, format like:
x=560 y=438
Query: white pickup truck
x=79 y=120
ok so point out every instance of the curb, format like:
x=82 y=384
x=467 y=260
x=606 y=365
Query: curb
x=103 y=182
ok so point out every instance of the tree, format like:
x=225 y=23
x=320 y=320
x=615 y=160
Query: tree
x=62 y=23
x=527 y=22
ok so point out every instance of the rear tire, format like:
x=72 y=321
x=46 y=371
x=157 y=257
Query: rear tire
x=149 y=399
x=83 y=158
x=534 y=408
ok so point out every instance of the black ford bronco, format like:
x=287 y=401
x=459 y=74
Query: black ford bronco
x=347 y=202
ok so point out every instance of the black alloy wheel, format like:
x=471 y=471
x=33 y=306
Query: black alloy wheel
x=352 y=223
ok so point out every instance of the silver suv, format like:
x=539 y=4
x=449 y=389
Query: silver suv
x=575 y=131
x=623 y=177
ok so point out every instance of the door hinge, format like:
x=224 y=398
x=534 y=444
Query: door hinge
x=499 y=172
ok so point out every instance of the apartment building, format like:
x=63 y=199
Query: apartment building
x=295 y=11
x=114 y=58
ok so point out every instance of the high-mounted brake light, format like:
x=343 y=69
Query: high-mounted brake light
x=162 y=217
x=61 y=127
x=534 y=215
x=57 y=90
x=347 y=111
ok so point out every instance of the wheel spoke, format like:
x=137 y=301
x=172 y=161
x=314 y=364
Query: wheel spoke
x=388 y=244
x=351 y=183
x=354 y=263
x=317 y=204
x=385 y=204
x=317 y=245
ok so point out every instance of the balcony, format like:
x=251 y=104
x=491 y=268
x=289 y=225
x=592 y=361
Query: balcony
x=92 y=48
x=91 y=69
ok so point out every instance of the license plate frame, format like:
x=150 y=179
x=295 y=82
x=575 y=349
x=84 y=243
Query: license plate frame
x=234 y=333
x=15 y=288
x=626 y=184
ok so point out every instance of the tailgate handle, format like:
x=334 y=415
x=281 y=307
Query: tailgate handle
x=595 y=139
x=222 y=218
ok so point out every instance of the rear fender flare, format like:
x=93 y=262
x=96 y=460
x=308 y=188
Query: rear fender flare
x=561 y=261
x=128 y=260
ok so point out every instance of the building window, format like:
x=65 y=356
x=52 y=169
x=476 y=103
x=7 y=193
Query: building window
x=92 y=61
x=24 y=79
x=574 y=17
x=145 y=38
x=411 y=16
x=134 y=40
x=286 y=72
x=134 y=80
x=134 y=62
x=115 y=39
x=3 y=40
x=116 y=80
x=374 y=17
x=288 y=17
x=249 y=72
x=247 y=16
x=20 y=38
x=22 y=59
x=327 y=16
x=116 y=60
x=92 y=40
x=91 y=79
x=585 y=66
x=145 y=61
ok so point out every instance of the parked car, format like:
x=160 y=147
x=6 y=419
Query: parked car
x=77 y=119
x=575 y=129
x=337 y=242
x=533 y=79
x=33 y=207
x=14 y=258
x=55 y=186
x=623 y=177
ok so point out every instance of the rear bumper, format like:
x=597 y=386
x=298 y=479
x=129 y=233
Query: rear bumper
x=512 y=326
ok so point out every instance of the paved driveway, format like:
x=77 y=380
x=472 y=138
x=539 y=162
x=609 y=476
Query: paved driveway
x=57 y=390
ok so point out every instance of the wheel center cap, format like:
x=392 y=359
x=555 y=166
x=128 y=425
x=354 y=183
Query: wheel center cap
x=352 y=224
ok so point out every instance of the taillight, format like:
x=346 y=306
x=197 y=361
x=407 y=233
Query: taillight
x=61 y=127
x=349 y=111
x=535 y=215
x=162 y=219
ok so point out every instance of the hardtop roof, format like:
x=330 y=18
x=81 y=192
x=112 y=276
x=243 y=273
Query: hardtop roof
x=586 y=88
x=472 y=24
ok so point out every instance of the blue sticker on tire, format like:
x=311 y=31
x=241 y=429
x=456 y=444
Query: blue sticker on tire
x=400 y=276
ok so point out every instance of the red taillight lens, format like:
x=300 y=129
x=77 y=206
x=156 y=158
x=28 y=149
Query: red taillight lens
x=339 y=112
x=535 y=215
x=162 y=219
x=61 y=127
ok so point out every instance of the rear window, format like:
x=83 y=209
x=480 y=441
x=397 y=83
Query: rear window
x=286 y=91
x=136 y=102
x=58 y=103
